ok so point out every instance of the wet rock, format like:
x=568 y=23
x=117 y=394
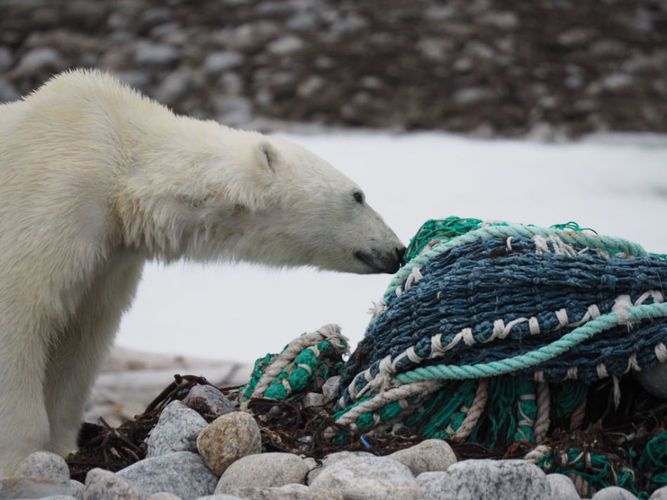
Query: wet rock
x=227 y=439
x=105 y=485
x=176 y=430
x=428 y=456
x=262 y=470
x=486 y=480
x=44 y=465
x=562 y=487
x=181 y=473
x=369 y=478
x=208 y=400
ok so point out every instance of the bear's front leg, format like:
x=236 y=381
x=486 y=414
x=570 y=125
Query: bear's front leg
x=75 y=359
x=24 y=425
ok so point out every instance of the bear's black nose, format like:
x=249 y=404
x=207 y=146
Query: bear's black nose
x=400 y=253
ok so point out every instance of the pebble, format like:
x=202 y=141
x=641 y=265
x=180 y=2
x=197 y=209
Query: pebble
x=219 y=62
x=562 y=487
x=287 y=492
x=227 y=439
x=660 y=494
x=6 y=59
x=44 y=465
x=155 y=54
x=208 y=400
x=28 y=487
x=370 y=478
x=428 y=456
x=181 y=473
x=37 y=59
x=263 y=470
x=163 y=496
x=654 y=380
x=286 y=45
x=105 y=485
x=486 y=479
x=173 y=87
x=7 y=91
x=613 y=493
x=176 y=430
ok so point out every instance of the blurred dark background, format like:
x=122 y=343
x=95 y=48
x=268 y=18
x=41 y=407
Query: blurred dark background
x=488 y=67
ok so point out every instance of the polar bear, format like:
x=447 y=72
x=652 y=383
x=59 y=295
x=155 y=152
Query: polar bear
x=96 y=179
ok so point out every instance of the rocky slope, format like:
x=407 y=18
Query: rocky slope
x=494 y=67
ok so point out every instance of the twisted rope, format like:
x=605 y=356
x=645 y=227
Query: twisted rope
x=285 y=358
x=537 y=357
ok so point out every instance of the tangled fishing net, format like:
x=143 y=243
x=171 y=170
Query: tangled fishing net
x=506 y=340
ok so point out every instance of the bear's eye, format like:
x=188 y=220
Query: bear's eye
x=358 y=197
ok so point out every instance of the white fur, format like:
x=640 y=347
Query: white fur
x=95 y=180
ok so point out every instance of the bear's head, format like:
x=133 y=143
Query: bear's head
x=260 y=199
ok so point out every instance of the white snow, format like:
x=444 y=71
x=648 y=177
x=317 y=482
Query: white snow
x=614 y=184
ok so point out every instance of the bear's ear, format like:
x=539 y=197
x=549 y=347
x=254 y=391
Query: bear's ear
x=267 y=155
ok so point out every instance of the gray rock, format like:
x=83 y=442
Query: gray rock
x=227 y=439
x=613 y=493
x=105 y=485
x=654 y=380
x=174 y=86
x=369 y=478
x=163 y=496
x=219 y=62
x=206 y=399
x=176 y=430
x=287 y=492
x=233 y=110
x=303 y=21
x=44 y=465
x=472 y=95
x=562 y=487
x=333 y=458
x=137 y=79
x=486 y=479
x=428 y=456
x=181 y=473
x=286 y=45
x=77 y=489
x=219 y=497
x=504 y=20
x=28 y=487
x=262 y=470
x=7 y=91
x=660 y=494
x=311 y=463
x=37 y=59
x=59 y=497
x=155 y=54
x=6 y=59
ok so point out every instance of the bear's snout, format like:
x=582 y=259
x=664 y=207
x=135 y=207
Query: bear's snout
x=382 y=262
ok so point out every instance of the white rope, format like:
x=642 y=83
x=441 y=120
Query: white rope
x=286 y=358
